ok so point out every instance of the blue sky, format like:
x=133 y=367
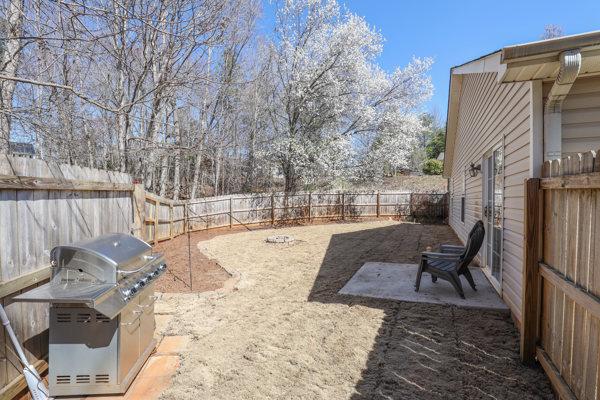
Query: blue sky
x=453 y=32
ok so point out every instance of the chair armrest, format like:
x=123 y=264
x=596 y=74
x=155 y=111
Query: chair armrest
x=440 y=256
x=452 y=246
x=449 y=248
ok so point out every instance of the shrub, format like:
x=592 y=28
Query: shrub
x=436 y=144
x=433 y=167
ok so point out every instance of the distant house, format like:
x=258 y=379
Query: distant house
x=508 y=112
x=21 y=149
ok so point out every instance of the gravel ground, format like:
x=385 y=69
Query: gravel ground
x=283 y=332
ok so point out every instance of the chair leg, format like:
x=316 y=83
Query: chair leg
x=433 y=278
x=419 y=273
x=455 y=281
x=469 y=277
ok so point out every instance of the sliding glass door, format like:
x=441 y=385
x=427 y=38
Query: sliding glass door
x=493 y=195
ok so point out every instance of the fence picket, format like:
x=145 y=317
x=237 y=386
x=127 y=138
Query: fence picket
x=555 y=168
x=546 y=169
x=587 y=161
x=597 y=161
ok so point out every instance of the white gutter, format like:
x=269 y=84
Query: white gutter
x=570 y=65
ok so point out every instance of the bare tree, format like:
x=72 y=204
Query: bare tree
x=552 y=31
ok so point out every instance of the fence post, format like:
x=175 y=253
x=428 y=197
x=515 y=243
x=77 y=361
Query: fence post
x=410 y=205
x=309 y=206
x=156 y=207
x=186 y=218
x=272 y=209
x=230 y=212
x=343 y=208
x=531 y=277
x=171 y=220
x=139 y=211
x=446 y=213
x=378 y=205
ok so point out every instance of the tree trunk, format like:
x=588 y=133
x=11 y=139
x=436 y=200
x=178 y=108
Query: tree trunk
x=217 y=171
x=122 y=141
x=197 y=168
x=250 y=183
x=176 y=175
x=9 y=58
x=120 y=27
x=164 y=174
x=177 y=161
x=90 y=146
x=197 y=181
x=289 y=176
x=152 y=137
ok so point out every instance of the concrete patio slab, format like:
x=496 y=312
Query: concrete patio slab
x=154 y=378
x=396 y=282
x=172 y=345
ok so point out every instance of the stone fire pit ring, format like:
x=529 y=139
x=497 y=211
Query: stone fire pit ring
x=280 y=239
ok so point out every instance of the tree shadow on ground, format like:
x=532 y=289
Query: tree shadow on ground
x=426 y=351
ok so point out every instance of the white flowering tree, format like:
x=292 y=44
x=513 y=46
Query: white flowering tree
x=333 y=111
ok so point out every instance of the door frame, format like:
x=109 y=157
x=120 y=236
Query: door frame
x=495 y=282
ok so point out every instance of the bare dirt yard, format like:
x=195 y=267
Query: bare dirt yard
x=182 y=254
x=283 y=332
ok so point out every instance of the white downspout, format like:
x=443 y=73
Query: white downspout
x=570 y=64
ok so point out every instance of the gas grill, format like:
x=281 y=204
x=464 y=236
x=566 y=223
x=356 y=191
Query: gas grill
x=101 y=315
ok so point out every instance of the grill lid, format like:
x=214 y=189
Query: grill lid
x=103 y=273
x=121 y=251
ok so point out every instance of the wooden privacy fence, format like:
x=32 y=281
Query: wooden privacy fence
x=165 y=219
x=561 y=285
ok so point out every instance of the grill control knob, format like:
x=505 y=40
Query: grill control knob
x=162 y=267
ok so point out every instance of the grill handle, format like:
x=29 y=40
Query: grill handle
x=148 y=259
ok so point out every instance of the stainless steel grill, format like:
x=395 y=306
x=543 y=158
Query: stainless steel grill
x=101 y=315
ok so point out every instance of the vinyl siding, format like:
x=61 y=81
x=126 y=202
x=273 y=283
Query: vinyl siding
x=581 y=116
x=492 y=114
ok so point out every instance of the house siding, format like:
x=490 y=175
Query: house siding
x=493 y=114
x=580 y=116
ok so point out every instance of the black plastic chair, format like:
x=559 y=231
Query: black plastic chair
x=453 y=261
